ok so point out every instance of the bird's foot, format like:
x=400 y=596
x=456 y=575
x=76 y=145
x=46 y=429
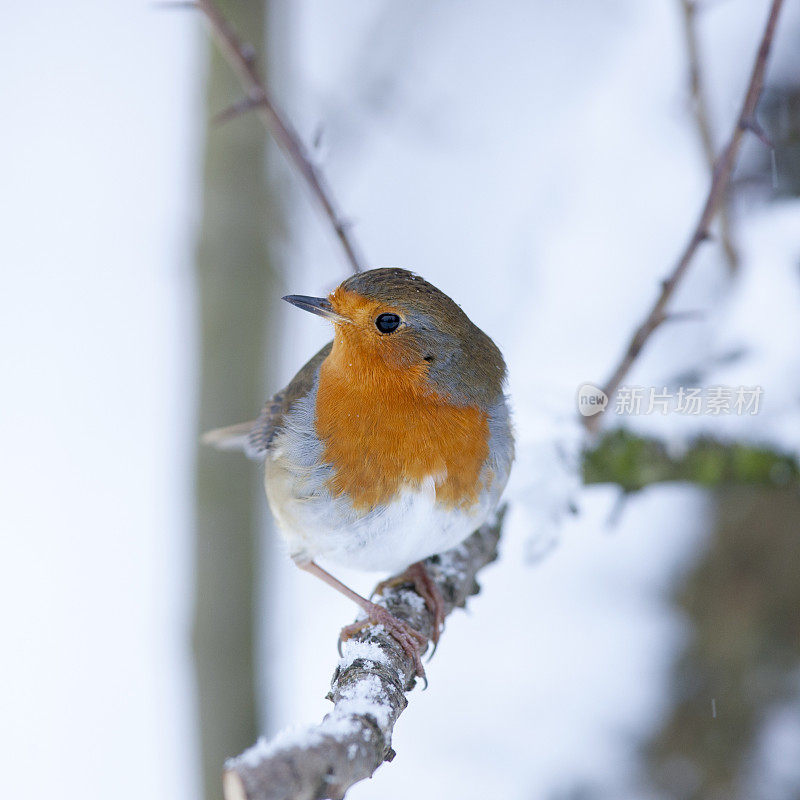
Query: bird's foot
x=419 y=577
x=410 y=639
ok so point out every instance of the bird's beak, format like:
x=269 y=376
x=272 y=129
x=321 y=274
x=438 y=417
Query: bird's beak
x=320 y=306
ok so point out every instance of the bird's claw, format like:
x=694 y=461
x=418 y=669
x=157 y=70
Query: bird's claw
x=419 y=577
x=411 y=640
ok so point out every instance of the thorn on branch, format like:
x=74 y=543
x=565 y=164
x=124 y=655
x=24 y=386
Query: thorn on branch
x=754 y=126
x=316 y=139
x=238 y=109
x=344 y=226
x=685 y=316
x=248 y=53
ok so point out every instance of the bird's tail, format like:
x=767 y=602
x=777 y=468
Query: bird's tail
x=232 y=437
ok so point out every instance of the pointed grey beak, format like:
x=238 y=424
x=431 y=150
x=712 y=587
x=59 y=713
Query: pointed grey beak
x=320 y=306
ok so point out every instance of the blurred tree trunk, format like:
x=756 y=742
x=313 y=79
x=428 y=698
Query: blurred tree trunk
x=236 y=280
x=742 y=660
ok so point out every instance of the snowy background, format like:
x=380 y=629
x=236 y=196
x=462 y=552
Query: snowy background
x=537 y=161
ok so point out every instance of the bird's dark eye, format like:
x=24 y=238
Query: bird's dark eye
x=386 y=323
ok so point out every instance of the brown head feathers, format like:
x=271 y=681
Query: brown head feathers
x=433 y=338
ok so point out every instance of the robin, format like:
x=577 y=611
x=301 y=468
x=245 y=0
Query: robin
x=391 y=444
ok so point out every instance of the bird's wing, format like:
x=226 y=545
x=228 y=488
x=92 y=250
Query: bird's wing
x=255 y=436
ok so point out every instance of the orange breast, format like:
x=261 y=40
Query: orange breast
x=383 y=430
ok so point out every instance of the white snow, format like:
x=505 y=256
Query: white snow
x=336 y=725
x=365 y=696
x=353 y=649
x=775 y=769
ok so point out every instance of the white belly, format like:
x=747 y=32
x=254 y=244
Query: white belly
x=388 y=538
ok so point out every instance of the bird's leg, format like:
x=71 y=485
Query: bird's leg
x=411 y=640
x=418 y=575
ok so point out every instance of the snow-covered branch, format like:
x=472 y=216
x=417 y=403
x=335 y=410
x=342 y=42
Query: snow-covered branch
x=368 y=691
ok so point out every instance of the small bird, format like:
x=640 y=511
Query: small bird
x=391 y=444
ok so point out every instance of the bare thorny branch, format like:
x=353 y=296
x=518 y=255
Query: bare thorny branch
x=703 y=121
x=241 y=57
x=723 y=168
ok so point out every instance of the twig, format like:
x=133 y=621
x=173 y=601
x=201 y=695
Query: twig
x=241 y=57
x=719 y=184
x=368 y=691
x=703 y=122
